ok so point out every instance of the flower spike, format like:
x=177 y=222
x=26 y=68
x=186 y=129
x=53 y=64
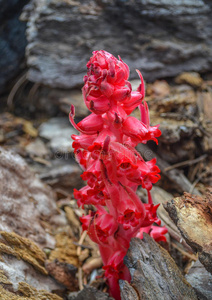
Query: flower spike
x=113 y=169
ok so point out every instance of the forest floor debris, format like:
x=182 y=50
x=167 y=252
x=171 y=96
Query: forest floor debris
x=184 y=152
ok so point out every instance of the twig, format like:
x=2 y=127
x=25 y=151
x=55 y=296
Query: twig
x=42 y=161
x=178 y=238
x=198 y=123
x=197 y=180
x=83 y=246
x=80 y=280
x=83 y=236
x=186 y=163
x=172 y=115
x=33 y=90
x=15 y=88
x=94 y=263
x=185 y=253
x=187 y=117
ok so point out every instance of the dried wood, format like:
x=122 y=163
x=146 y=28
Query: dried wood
x=162 y=38
x=25 y=202
x=193 y=216
x=154 y=273
x=159 y=197
x=201 y=281
x=22 y=270
x=204 y=100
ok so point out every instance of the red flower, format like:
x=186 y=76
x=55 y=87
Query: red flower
x=112 y=167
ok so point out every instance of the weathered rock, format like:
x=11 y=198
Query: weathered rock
x=66 y=98
x=174 y=131
x=164 y=98
x=201 y=281
x=159 y=89
x=25 y=202
x=37 y=148
x=64 y=173
x=193 y=217
x=12 y=40
x=154 y=273
x=63 y=273
x=161 y=38
x=89 y=293
x=58 y=131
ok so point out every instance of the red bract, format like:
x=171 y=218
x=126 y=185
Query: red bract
x=112 y=167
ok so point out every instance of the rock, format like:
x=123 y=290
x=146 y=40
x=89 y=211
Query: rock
x=64 y=173
x=154 y=273
x=37 y=148
x=159 y=89
x=189 y=212
x=26 y=204
x=201 y=281
x=22 y=270
x=66 y=98
x=89 y=293
x=176 y=100
x=58 y=131
x=174 y=131
x=63 y=273
x=161 y=38
x=191 y=78
x=135 y=84
x=12 y=41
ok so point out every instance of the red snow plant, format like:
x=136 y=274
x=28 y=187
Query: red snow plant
x=113 y=169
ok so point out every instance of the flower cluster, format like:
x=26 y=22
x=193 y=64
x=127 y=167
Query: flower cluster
x=113 y=168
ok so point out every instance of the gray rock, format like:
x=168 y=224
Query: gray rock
x=58 y=132
x=25 y=202
x=159 y=37
x=89 y=293
x=71 y=97
x=63 y=174
x=37 y=148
